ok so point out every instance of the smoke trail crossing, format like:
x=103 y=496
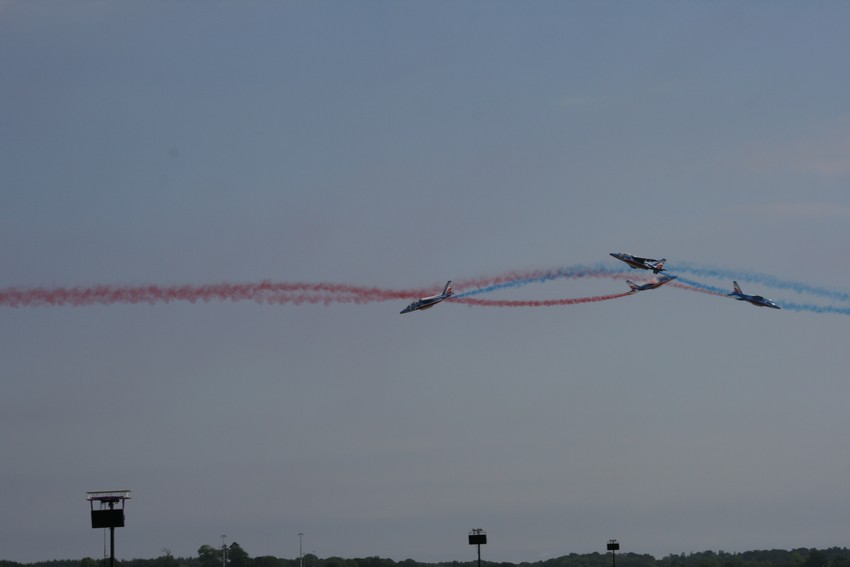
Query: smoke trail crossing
x=297 y=293
x=520 y=279
x=476 y=302
x=685 y=283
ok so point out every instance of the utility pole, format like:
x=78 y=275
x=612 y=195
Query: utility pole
x=223 y=552
x=300 y=552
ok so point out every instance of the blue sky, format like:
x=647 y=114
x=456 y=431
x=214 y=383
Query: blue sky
x=399 y=145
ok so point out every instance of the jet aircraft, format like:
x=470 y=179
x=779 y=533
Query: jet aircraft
x=637 y=262
x=756 y=300
x=651 y=285
x=429 y=302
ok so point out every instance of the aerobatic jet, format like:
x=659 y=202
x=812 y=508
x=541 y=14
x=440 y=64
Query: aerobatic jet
x=651 y=285
x=756 y=300
x=429 y=302
x=637 y=262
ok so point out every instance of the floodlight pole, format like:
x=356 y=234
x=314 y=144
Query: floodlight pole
x=478 y=537
x=111 y=505
x=111 y=539
x=111 y=518
x=613 y=546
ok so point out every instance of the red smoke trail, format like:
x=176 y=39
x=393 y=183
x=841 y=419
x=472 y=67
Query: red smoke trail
x=262 y=292
x=475 y=302
x=281 y=293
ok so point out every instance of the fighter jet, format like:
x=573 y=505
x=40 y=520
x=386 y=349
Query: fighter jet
x=651 y=285
x=756 y=300
x=429 y=302
x=641 y=263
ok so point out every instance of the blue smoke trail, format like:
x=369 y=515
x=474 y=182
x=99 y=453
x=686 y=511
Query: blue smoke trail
x=814 y=308
x=764 y=279
x=787 y=305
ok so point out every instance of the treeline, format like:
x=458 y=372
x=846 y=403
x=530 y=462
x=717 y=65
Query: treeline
x=209 y=556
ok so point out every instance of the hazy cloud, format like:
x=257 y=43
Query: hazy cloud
x=797 y=210
x=825 y=153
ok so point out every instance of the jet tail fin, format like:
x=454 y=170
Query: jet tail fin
x=736 y=287
x=632 y=285
x=659 y=266
x=447 y=291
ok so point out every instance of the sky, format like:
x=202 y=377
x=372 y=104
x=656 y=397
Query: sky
x=394 y=146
